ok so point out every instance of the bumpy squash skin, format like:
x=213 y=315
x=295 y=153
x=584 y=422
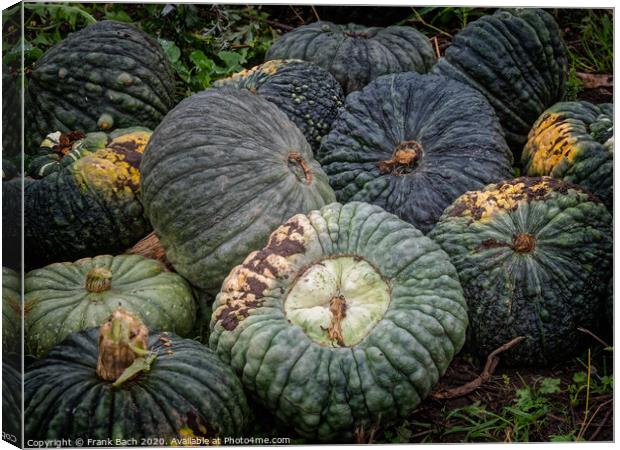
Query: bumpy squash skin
x=325 y=391
x=222 y=170
x=568 y=142
x=108 y=75
x=58 y=302
x=54 y=154
x=187 y=388
x=517 y=59
x=309 y=95
x=462 y=146
x=543 y=286
x=11 y=310
x=88 y=208
x=355 y=54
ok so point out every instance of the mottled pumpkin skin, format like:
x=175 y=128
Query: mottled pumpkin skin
x=11 y=310
x=108 y=75
x=568 y=142
x=355 y=54
x=188 y=391
x=54 y=154
x=460 y=140
x=58 y=302
x=223 y=169
x=309 y=95
x=534 y=258
x=404 y=319
x=517 y=59
x=87 y=208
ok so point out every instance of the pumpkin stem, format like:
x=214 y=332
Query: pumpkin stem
x=338 y=308
x=98 y=279
x=296 y=159
x=404 y=157
x=523 y=243
x=123 y=353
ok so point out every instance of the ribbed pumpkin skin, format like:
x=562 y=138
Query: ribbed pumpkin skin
x=187 y=386
x=517 y=59
x=53 y=157
x=12 y=210
x=58 y=303
x=543 y=286
x=462 y=146
x=355 y=54
x=88 y=208
x=11 y=310
x=326 y=392
x=568 y=142
x=308 y=94
x=108 y=75
x=218 y=178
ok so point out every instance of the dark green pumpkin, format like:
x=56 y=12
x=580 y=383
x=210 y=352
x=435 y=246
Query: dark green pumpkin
x=346 y=319
x=308 y=94
x=573 y=141
x=12 y=230
x=221 y=171
x=534 y=259
x=187 y=392
x=11 y=115
x=87 y=208
x=412 y=144
x=11 y=310
x=517 y=59
x=356 y=54
x=66 y=297
x=108 y=75
x=12 y=399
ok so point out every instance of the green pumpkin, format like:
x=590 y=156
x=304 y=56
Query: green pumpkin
x=12 y=230
x=11 y=310
x=356 y=54
x=517 y=59
x=66 y=297
x=346 y=319
x=308 y=94
x=11 y=115
x=412 y=144
x=12 y=400
x=88 y=207
x=534 y=258
x=222 y=170
x=573 y=141
x=122 y=382
x=59 y=150
x=108 y=75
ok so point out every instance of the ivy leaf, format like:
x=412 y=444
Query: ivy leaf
x=549 y=386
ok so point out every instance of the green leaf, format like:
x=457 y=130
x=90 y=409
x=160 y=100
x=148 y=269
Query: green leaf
x=549 y=386
x=172 y=51
x=202 y=62
x=580 y=377
x=231 y=59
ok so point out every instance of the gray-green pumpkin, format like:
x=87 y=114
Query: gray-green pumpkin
x=356 y=54
x=346 y=319
x=534 y=258
x=222 y=170
x=66 y=297
x=11 y=310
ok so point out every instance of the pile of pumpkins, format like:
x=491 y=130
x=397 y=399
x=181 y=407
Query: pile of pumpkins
x=331 y=226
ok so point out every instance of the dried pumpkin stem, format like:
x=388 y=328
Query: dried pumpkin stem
x=338 y=308
x=98 y=279
x=523 y=243
x=123 y=340
x=296 y=158
x=405 y=155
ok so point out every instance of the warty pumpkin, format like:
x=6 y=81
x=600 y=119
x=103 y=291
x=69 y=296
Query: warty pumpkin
x=573 y=141
x=345 y=320
x=222 y=170
x=308 y=94
x=534 y=259
x=356 y=54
